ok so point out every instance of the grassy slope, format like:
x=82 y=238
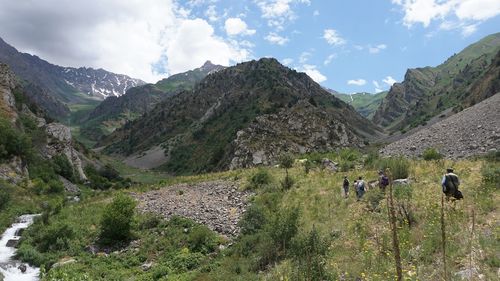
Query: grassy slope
x=364 y=103
x=360 y=242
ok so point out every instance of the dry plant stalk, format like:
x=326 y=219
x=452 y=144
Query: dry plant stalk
x=392 y=221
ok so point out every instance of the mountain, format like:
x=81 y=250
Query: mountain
x=241 y=116
x=65 y=84
x=426 y=92
x=113 y=112
x=365 y=103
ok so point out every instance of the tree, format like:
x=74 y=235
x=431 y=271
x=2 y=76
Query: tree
x=116 y=219
x=286 y=162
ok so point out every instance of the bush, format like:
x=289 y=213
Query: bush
x=399 y=166
x=260 y=179
x=373 y=199
x=345 y=166
x=349 y=155
x=13 y=142
x=286 y=161
x=310 y=256
x=283 y=228
x=431 y=154
x=116 y=219
x=63 y=167
x=55 y=237
x=201 y=239
x=253 y=220
x=53 y=186
x=491 y=175
x=4 y=197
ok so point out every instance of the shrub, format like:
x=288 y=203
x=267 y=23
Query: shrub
x=283 y=228
x=345 y=166
x=13 y=142
x=431 y=154
x=349 y=155
x=63 y=167
x=491 y=175
x=310 y=256
x=116 y=219
x=371 y=159
x=149 y=221
x=373 y=199
x=4 y=197
x=55 y=237
x=201 y=239
x=253 y=220
x=186 y=260
x=55 y=186
x=260 y=179
x=286 y=161
x=399 y=166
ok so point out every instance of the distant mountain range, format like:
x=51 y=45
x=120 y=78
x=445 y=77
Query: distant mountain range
x=65 y=85
x=113 y=112
x=240 y=116
x=463 y=80
x=364 y=103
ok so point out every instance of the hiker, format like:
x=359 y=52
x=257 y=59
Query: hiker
x=450 y=183
x=360 y=188
x=383 y=180
x=345 y=185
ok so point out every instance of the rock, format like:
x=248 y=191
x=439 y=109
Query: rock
x=401 y=182
x=63 y=262
x=19 y=232
x=22 y=267
x=93 y=249
x=473 y=131
x=69 y=186
x=329 y=164
x=218 y=204
x=146 y=266
x=12 y=243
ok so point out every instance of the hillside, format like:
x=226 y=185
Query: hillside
x=364 y=103
x=425 y=92
x=236 y=118
x=65 y=84
x=473 y=131
x=113 y=112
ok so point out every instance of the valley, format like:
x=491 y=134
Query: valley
x=236 y=172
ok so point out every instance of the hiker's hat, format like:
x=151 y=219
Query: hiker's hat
x=449 y=170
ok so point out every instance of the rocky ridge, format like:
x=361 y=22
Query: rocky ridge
x=218 y=204
x=474 y=131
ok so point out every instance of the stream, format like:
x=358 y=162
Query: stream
x=12 y=270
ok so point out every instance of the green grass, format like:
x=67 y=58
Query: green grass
x=358 y=235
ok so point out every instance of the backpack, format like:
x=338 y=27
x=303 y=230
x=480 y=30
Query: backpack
x=451 y=183
x=361 y=185
x=384 y=181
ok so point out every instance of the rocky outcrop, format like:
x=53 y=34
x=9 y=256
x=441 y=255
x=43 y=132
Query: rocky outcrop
x=14 y=171
x=60 y=142
x=474 y=131
x=302 y=129
x=218 y=205
x=7 y=100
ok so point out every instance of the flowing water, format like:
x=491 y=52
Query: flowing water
x=9 y=267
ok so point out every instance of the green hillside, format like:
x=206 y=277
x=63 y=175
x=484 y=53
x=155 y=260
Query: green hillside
x=426 y=92
x=308 y=232
x=364 y=103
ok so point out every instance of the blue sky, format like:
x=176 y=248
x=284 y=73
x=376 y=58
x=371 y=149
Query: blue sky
x=349 y=46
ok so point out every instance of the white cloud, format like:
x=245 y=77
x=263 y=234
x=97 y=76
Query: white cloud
x=389 y=80
x=278 y=12
x=314 y=73
x=211 y=13
x=195 y=43
x=329 y=59
x=357 y=82
x=466 y=13
x=274 y=38
x=304 y=57
x=377 y=86
x=376 y=49
x=287 y=61
x=236 y=26
x=316 y=13
x=332 y=37
x=143 y=41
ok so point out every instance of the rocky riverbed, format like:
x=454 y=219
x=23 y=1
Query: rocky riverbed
x=217 y=204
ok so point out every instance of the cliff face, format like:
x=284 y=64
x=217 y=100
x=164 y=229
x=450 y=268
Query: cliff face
x=464 y=79
x=52 y=138
x=224 y=118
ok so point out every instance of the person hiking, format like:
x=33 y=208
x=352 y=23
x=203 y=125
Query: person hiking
x=383 y=180
x=360 y=188
x=345 y=185
x=450 y=184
